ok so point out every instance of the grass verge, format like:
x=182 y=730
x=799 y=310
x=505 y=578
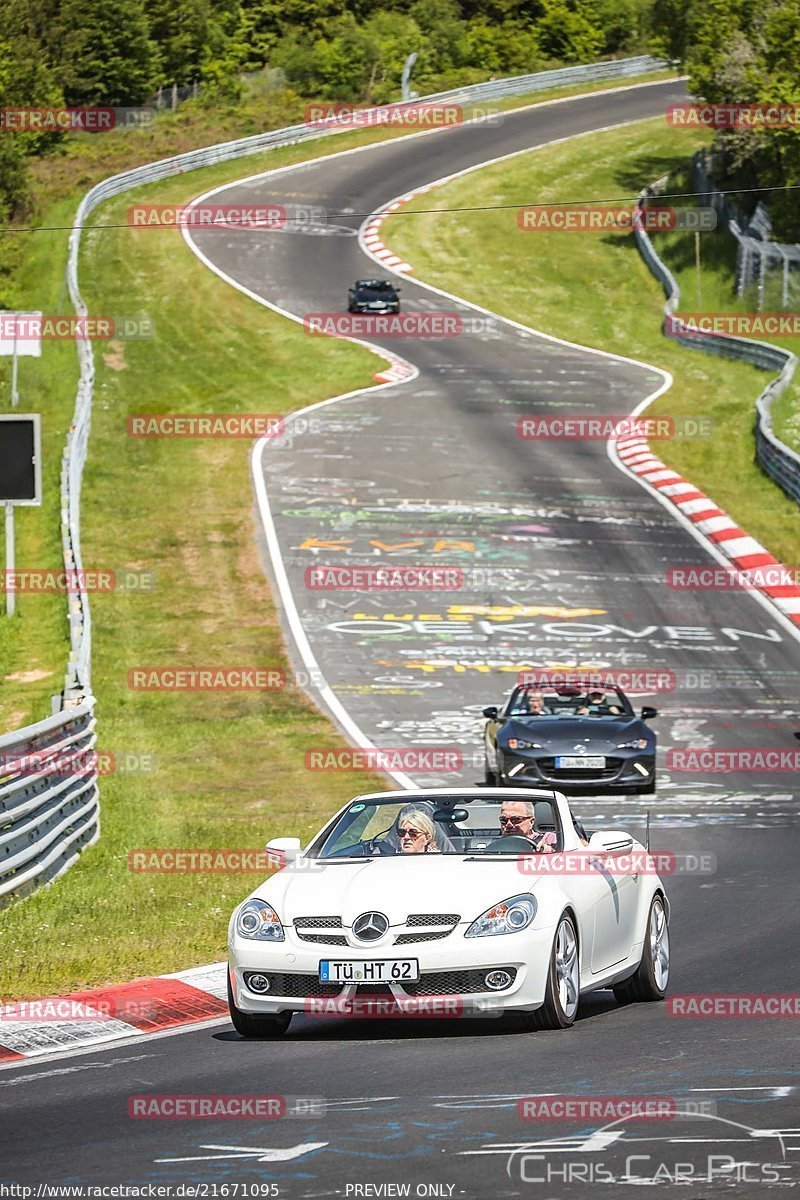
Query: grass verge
x=594 y=288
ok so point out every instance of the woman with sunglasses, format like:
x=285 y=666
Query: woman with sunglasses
x=416 y=832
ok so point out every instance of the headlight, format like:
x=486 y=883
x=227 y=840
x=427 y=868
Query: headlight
x=516 y=744
x=509 y=916
x=636 y=744
x=258 y=920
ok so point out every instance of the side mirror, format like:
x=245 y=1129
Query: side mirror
x=611 y=841
x=282 y=851
x=491 y=714
x=797 y=734
x=398 y=289
x=648 y=713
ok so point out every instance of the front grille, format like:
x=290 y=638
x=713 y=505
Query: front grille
x=295 y=986
x=404 y=939
x=323 y=939
x=548 y=767
x=454 y=983
x=308 y=929
x=432 y=919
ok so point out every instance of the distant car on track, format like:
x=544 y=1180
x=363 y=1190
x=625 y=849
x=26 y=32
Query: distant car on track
x=408 y=898
x=578 y=741
x=373 y=296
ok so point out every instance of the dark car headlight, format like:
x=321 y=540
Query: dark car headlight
x=519 y=744
x=635 y=744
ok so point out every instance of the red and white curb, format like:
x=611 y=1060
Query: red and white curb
x=372 y=242
x=31 y=1028
x=744 y=552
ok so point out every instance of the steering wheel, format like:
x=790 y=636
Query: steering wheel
x=511 y=843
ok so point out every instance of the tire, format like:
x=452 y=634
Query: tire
x=563 y=988
x=250 y=1026
x=651 y=979
x=649 y=789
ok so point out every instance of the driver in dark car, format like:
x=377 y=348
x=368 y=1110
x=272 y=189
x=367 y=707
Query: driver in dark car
x=518 y=817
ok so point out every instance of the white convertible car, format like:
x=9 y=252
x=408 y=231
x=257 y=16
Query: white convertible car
x=484 y=900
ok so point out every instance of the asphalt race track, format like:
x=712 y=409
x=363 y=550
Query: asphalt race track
x=564 y=559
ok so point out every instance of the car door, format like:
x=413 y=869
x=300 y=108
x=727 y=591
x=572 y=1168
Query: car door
x=614 y=898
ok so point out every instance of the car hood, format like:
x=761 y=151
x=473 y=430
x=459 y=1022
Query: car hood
x=565 y=733
x=394 y=885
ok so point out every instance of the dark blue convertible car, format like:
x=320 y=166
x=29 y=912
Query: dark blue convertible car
x=576 y=741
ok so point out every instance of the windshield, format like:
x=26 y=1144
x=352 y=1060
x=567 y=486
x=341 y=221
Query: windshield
x=467 y=825
x=548 y=702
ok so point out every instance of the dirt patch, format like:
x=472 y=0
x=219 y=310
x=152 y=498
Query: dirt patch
x=29 y=676
x=114 y=358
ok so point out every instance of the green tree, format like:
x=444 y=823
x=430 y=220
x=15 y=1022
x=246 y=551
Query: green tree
x=105 y=53
x=568 y=31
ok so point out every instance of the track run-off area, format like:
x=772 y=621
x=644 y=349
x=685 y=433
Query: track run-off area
x=563 y=555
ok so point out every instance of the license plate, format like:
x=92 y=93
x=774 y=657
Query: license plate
x=395 y=970
x=590 y=762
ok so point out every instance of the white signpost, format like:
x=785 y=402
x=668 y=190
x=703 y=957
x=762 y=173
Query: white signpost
x=20 y=334
x=20 y=479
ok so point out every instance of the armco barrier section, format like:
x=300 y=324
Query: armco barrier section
x=47 y=818
x=775 y=458
x=49 y=808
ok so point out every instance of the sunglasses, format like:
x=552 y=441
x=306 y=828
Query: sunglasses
x=411 y=833
x=514 y=820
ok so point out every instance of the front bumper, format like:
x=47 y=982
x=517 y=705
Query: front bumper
x=448 y=973
x=624 y=771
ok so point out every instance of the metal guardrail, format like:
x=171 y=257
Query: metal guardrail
x=756 y=253
x=779 y=461
x=46 y=819
x=49 y=808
